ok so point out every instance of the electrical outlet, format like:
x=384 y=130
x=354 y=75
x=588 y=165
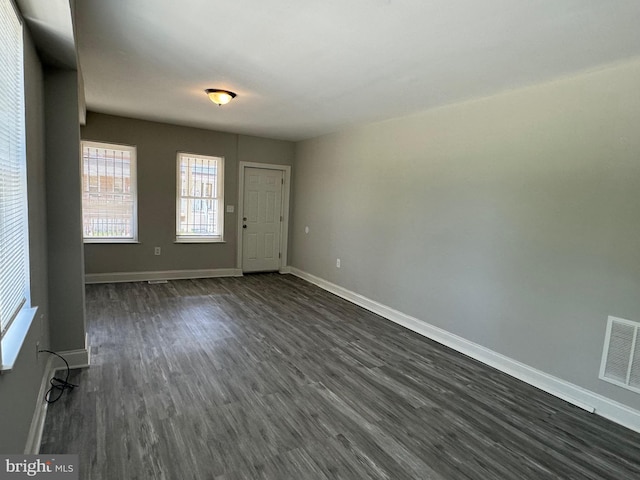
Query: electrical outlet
x=157 y=251
x=338 y=263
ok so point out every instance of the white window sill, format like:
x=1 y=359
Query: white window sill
x=14 y=338
x=199 y=240
x=101 y=241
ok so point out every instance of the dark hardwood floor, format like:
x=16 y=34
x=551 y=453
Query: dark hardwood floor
x=269 y=377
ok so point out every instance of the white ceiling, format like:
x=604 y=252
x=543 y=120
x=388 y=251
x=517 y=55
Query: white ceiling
x=51 y=26
x=303 y=68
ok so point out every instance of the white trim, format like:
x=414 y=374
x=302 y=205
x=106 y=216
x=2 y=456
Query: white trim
x=106 y=241
x=581 y=397
x=285 y=269
x=219 y=199
x=11 y=343
x=284 y=232
x=80 y=358
x=118 y=277
x=186 y=239
x=133 y=185
x=77 y=359
x=34 y=438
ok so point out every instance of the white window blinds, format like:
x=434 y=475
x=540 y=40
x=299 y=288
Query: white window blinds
x=14 y=259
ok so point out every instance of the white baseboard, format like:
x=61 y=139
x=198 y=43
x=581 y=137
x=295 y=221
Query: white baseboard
x=77 y=359
x=80 y=358
x=37 y=422
x=581 y=397
x=285 y=269
x=119 y=277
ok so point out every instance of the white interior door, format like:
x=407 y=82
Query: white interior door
x=261 y=219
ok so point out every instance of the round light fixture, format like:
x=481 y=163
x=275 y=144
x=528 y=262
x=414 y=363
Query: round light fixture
x=220 y=97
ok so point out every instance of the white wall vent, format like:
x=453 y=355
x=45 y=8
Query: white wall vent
x=621 y=354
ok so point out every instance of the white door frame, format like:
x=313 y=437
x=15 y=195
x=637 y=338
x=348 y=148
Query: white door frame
x=284 y=225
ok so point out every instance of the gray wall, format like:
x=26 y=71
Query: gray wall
x=157 y=145
x=511 y=221
x=19 y=389
x=64 y=213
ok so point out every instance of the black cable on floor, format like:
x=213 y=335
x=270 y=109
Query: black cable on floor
x=57 y=384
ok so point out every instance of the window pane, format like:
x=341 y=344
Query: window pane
x=199 y=196
x=109 y=191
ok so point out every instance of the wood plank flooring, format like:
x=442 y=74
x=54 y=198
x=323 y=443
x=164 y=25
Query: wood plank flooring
x=269 y=377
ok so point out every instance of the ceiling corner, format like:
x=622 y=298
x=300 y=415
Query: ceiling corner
x=52 y=29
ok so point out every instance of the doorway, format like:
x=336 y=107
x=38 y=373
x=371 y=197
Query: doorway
x=263 y=213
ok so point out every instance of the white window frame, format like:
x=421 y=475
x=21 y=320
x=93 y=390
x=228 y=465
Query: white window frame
x=216 y=237
x=15 y=288
x=133 y=238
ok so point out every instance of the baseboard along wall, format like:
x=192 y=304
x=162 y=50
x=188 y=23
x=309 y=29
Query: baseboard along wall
x=574 y=394
x=581 y=397
x=77 y=359
x=121 y=277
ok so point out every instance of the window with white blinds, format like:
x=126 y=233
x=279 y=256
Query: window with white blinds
x=14 y=252
x=200 y=199
x=109 y=199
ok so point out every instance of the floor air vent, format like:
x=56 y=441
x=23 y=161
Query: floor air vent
x=621 y=354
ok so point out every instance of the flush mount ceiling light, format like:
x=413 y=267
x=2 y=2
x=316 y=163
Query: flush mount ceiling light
x=221 y=97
